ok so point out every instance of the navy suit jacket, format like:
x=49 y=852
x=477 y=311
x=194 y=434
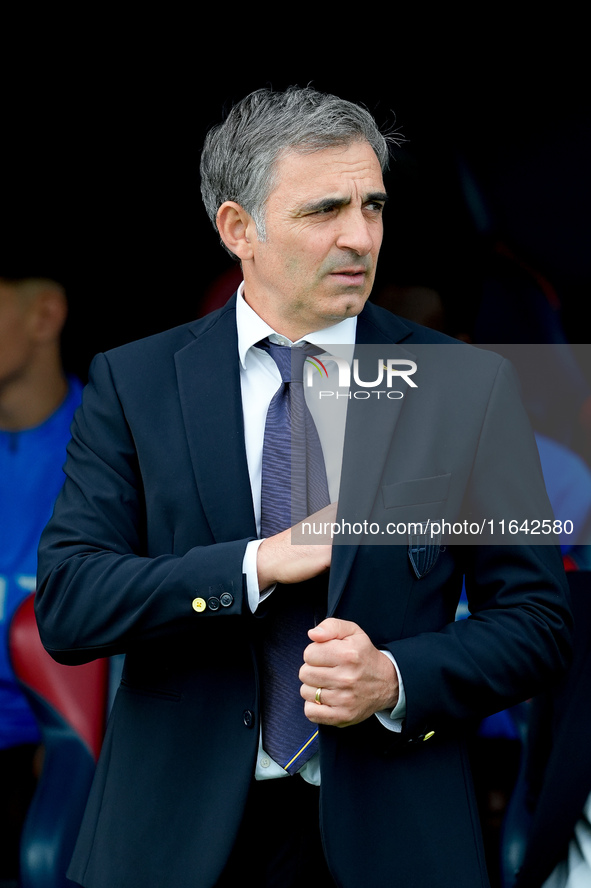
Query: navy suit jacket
x=157 y=510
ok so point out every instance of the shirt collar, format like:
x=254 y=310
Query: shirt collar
x=252 y=328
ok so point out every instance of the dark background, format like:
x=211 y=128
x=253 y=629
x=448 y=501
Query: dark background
x=103 y=121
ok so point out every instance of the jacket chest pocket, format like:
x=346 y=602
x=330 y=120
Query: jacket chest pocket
x=415 y=507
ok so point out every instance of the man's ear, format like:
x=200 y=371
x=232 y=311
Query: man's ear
x=237 y=229
x=48 y=313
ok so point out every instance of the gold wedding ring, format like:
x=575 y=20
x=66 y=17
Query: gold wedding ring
x=317 y=696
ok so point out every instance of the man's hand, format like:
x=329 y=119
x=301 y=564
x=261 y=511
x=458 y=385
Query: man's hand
x=280 y=561
x=356 y=678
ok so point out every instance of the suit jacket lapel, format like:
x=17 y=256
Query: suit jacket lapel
x=209 y=384
x=370 y=426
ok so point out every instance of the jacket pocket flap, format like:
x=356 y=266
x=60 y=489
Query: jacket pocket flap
x=419 y=490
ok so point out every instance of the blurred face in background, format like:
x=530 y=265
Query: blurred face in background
x=16 y=332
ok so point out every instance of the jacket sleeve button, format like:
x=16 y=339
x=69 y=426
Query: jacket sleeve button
x=198 y=605
x=226 y=599
x=213 y=603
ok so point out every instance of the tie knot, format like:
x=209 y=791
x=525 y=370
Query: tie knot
x=290 y=361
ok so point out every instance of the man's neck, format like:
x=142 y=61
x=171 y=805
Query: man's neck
x=252 y=328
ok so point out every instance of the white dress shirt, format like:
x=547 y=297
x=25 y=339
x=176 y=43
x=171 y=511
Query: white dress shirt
x=259 y=380
x=575 y=870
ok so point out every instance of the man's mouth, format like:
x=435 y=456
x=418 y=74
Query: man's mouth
x=354 y=275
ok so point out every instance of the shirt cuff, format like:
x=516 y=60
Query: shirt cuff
x=392 y=718
x=249 y=569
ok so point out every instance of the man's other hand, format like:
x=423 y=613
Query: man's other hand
x=356 y=678
x=281 y=561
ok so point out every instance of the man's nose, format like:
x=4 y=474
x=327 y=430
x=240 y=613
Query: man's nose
x=356 y=233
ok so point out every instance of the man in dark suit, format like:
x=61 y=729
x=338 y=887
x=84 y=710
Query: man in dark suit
x=157 y=549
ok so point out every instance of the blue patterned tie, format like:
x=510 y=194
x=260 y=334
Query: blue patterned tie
x=293 y=486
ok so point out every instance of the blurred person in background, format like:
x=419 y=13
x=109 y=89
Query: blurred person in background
x=37 y=402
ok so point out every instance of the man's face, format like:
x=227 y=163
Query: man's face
x=15 y=338
x=323 y=235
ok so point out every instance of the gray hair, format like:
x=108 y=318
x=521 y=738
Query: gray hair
x=239 y=156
